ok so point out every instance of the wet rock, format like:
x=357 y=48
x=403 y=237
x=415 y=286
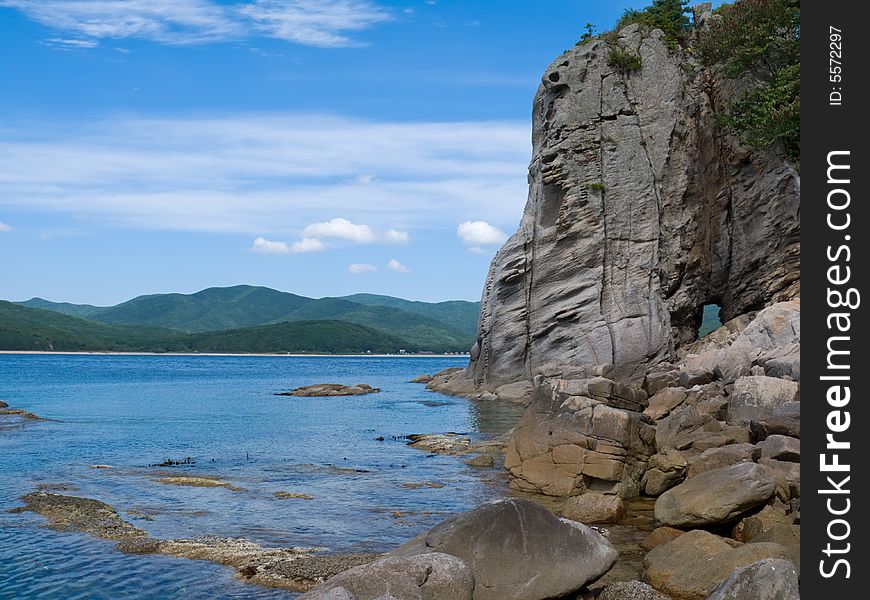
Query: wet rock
x=282 y=495
x=3 y=404
x=417 y=485
x=715 y=497
x=481 y=460
x=102 y=467
x=22 y=414
x=768 y=579
x=453 y=382
x=422 y=379
x=331 y=389
x=694 y=564
x=593 y=507
x=431 y=576
x=664 y=402
x=519 y=550
x=450 y=444
x=630 y=590
x=754 y=397
x=207 y=482
x=71 y=513
x=565 y=445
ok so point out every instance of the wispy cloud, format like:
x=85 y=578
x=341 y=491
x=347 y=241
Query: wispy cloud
x=268 y=175
x=397 y=237
x=4 y=228
x=308 y=245
x=361 y=268
x=480 y=233
x=323 y=23
x=396 y=266
x=265 y=246
x=342 y=229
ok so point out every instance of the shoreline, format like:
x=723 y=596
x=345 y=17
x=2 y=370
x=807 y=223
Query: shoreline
x=257 y=354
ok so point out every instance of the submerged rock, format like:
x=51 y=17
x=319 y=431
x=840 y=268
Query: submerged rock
x=197 y=482
x=430 y=576
x=331 y=389
x=519 y=550
x=282 y=495
x=71 y=513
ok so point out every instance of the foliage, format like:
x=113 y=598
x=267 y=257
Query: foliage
x=759 y=40
x=588 y=33
x=753 y=36
x=667 y=15
x=770 y=114
x=624 y=61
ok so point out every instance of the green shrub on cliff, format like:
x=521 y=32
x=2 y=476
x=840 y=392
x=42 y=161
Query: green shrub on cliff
x=759 y=40
x=623 y=61
x=667 y=15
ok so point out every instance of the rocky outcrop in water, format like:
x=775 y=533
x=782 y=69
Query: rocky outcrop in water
x=640 y=211
x=332 y=389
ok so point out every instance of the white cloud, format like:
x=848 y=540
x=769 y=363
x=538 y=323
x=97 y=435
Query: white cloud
x=480 y=233
x=266 y=174
x=393 y=236
x=342 y=229
x=396 y=266
x=360 y=269
x=71 y=43
x=265 y=246
x=308 y=245
x=323 y=23
x=4 y=228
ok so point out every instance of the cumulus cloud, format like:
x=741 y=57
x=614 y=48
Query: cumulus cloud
x=341 y=228
x=361 y=268
x=308 y=245
x=250 y=174
x=397 y=237
x=396 y=266
x=4 y=227
x=323 y=23
x=265 y=246
x=480 y=233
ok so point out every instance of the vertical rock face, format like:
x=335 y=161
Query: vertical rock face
x=639 y=213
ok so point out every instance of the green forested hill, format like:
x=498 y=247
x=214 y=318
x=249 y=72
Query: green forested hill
x=441 y=326
x=25 y=328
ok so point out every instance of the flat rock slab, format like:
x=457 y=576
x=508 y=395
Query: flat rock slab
x=430 y=576
x=332 y=389
x=519 y=550
x=771 y=579
x=715 y=497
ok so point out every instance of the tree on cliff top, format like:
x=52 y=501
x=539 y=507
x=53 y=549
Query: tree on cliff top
x=667 y=15
x=759 y=40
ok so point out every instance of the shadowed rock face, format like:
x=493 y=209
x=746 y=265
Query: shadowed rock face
x=639 y=213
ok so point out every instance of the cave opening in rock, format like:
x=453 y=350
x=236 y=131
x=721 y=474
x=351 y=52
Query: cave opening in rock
x=709 y=319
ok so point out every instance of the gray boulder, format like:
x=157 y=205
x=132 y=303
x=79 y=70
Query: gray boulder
x=756 y=397
x=630 y=590
x=715 y=497
x=519 y=550
x=429 y=576
x=769 y=579
x=781 y=447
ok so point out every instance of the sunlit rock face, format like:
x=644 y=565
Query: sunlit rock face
x=640 y=211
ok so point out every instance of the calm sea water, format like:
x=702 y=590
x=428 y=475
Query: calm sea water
x=134 y=411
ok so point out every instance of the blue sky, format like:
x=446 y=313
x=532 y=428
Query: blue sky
x=320 y=147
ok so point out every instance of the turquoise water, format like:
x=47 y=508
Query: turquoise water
x=134 y=411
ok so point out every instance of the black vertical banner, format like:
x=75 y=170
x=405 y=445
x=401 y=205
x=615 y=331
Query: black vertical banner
x=835 y=236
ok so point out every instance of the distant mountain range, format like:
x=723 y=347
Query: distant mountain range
x=241 y=319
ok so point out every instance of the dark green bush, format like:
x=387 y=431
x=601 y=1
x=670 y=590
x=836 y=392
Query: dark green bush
x=667 y=15
x=624 y=61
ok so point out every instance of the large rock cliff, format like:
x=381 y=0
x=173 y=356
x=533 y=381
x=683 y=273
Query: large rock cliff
x=640 y=212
